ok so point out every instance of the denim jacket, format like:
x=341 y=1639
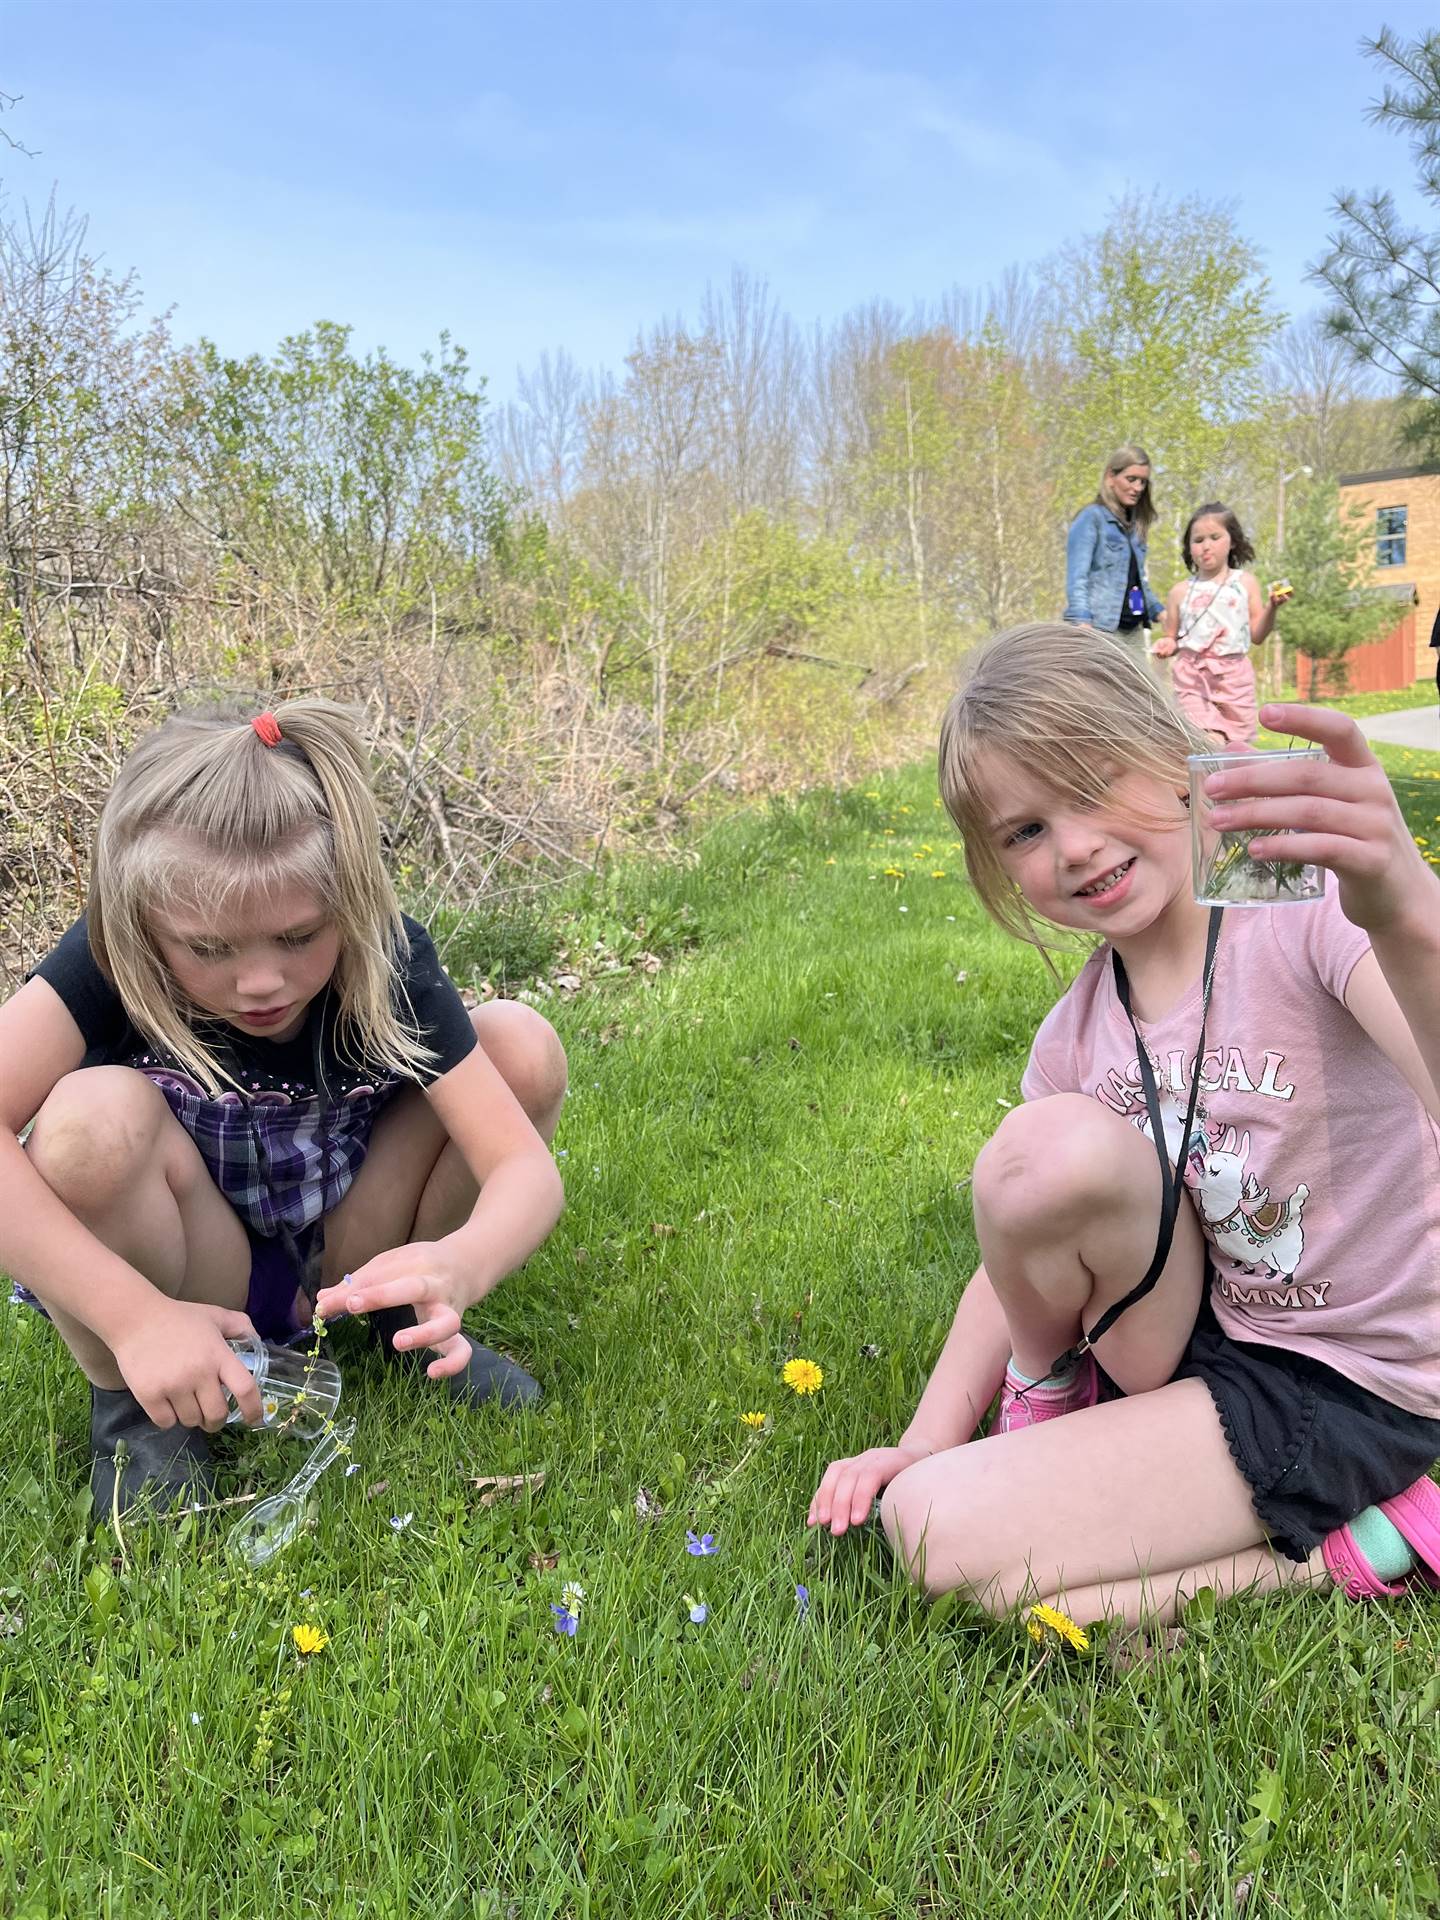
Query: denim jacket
x=1097 y=568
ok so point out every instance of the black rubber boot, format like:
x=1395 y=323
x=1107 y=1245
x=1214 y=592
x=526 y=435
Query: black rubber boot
x=486 y=1376
x=160 y=1465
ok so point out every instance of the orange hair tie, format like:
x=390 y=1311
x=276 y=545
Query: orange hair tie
x=268 y=728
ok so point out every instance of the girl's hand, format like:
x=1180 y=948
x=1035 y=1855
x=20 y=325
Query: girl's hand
x=424 y=1275
x=1339 y=813
x=1163 y=647
x=846 y=1494
x=177 y=1364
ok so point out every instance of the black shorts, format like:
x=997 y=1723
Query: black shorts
x=1314 y=1448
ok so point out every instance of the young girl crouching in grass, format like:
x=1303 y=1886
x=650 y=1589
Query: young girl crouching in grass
x=1267 y=1414
x=250 y=1080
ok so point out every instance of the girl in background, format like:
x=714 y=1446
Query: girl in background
x=1211 y=622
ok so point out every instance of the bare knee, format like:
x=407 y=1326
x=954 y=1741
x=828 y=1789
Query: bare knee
x=938 y=1538
x=526 y=1052
x=1051 y=1160
x=96 y=1134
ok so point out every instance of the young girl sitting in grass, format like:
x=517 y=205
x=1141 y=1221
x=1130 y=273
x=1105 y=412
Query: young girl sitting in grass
x=250 y=1079
x=1268 y=1411
x=1211 y=622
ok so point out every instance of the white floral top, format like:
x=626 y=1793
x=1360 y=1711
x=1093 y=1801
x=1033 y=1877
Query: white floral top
x=1215 y=616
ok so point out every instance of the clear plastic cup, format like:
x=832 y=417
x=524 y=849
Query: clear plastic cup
x=1222 y=870
x=299 y=1391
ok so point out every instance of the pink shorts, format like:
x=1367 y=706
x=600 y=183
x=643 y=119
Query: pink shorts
x=1216 y=691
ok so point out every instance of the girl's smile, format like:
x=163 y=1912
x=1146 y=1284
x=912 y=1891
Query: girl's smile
x=1092 y=864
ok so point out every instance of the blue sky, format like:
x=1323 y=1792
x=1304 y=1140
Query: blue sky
x=531 y=175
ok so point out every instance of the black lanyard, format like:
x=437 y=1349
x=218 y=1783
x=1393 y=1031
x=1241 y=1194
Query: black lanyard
x=1172 y=1179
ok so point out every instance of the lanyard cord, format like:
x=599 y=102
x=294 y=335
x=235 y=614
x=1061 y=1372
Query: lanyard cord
x=1172 y=1179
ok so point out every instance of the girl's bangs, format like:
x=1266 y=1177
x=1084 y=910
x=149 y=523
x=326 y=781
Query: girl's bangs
x=209 y=880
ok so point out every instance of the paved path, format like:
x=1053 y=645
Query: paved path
x=1413 y=727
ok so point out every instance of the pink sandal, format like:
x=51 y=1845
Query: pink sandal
x=1415 y=1513
x=1027 y=1406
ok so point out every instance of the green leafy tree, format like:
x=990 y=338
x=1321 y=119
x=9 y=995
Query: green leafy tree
x=355 y=479
x=1382 y=272
x=1327 y=554
x=1161 y=323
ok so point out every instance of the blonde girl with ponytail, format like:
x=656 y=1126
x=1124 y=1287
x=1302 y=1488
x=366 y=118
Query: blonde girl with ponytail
x=254 y=1092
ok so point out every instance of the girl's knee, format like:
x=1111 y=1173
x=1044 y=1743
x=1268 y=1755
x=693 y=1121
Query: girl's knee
x=937 y=1533
x=1049 y=1157
x=96 y=1133
x=526 y=1052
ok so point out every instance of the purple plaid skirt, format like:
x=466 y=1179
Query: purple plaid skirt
x=281 y=1163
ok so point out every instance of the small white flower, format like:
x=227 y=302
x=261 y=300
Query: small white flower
x=194 y=1719
x=399 y=1521
x=572 y=1596
x=354 y=1467
x=904 y=909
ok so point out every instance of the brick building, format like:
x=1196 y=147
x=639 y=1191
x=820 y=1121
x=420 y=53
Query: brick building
x=1403 y=505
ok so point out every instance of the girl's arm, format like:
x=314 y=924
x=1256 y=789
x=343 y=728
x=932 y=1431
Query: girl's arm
x=1341 y=813
x=1079 y=559
x=966 y=1379
x=1170 y=622
x=1262 y=612
x=521 y=1196
x=168 y=1351
x=42 y=1244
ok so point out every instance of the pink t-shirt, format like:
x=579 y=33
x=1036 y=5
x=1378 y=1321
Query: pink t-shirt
x=1313 y=1167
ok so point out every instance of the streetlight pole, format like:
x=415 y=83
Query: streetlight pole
x=1277 y=645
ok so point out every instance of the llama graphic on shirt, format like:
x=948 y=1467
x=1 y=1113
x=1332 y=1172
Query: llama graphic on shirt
x=1239 y=1216
x=1256 y=1233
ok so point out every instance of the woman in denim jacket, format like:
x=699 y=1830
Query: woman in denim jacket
x=1105 y=583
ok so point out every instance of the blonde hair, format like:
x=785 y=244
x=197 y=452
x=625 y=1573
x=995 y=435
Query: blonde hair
x=1142 y=514
x=1072 y=706
x=203 y=812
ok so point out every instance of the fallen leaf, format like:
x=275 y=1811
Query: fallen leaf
x=374 y=1493
x=568 y=983
x=647 y=1507
x=543 y=1562
x=1243 y=1887
x=660 y=1229
x=493 y=1487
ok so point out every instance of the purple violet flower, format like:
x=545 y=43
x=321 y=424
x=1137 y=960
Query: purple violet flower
x=802 y=1601
x=565 y=1620
x=701 y=1545
x=699 y=1614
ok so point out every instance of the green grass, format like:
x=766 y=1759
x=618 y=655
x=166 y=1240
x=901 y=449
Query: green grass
x=766 y=1154
x=1392 y=700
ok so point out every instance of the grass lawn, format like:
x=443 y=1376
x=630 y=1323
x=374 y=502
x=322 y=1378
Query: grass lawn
x=766 y=1152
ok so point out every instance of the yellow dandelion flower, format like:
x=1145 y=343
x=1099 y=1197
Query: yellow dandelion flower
x=309 y=1639
x=802 y=1376
x=938 y=874
x=755 y=1420
x=1038 y=1617
x=1036 y=1632
x=894 y=873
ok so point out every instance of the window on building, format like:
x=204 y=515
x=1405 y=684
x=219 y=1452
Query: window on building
x=1390 y=536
